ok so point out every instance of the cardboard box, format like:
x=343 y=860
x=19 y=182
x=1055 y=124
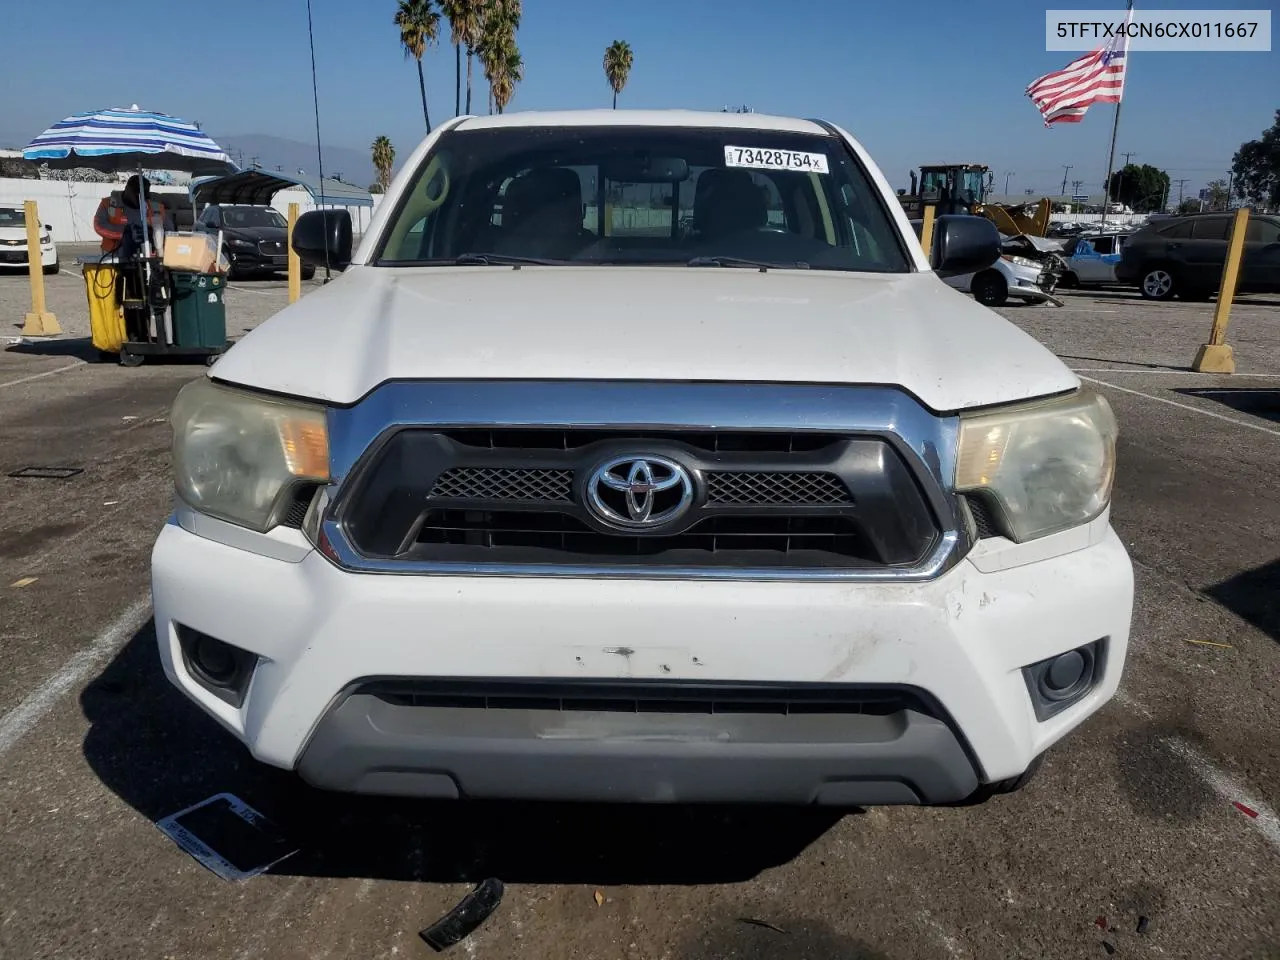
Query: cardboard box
x=190 y=251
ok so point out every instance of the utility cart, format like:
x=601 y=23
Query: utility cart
x=143 y=308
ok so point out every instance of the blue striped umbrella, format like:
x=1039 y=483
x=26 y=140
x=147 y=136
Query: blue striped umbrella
x=116 y=140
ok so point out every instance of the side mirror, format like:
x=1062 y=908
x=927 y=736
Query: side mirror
x=48 y=229
x=963 y=244
x=322 y=236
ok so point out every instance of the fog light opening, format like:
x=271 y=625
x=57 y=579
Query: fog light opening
x=1061 y=680
x=219 y=667
x=215 y=660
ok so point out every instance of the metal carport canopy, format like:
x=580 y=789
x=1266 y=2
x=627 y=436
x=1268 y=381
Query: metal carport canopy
x=257 y=187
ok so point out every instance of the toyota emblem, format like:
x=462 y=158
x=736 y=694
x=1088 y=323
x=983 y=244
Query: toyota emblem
x=639 y=492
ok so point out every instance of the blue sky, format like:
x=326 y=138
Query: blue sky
x=916 y=83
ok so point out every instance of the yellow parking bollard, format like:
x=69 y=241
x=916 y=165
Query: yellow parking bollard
x=295 y=265
x=926 y=232
x=40 y=322
x=1216 y=356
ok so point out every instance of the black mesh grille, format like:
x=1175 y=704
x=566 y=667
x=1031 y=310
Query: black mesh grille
x=777 y=489
x=779 y=538
x=516 y=497
x=501 y=484
x=296 y=509
x=982 y=519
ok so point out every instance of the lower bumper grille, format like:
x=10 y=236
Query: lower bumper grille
x=649 y=697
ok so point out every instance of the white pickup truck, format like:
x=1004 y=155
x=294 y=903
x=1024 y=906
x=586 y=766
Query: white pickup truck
x=644 y=456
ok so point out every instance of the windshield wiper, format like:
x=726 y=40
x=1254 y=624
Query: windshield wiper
x=742 y=262
x=500 y=259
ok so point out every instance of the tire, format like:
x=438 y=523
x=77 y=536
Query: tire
x=990 y=289
x=1157 y=283
x=308 y=273
x=52 y=268
x=1069 y=281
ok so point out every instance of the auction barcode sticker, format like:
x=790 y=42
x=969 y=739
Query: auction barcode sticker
x=757 y=158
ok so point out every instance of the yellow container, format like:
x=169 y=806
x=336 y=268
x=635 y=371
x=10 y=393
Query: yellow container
x=106 y=315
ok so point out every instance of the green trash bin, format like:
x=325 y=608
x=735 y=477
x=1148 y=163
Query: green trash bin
x=199 y=311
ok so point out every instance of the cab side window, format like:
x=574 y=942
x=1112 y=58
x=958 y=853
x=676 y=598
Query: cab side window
x=1262 y=231
x=1179 y=231
x=1104 y=245
x=1210 y=228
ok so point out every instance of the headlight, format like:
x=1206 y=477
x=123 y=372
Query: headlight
x=243 y=243
x=234 y=453
x=46 y=239
x=1048 y=466
x=1021 y=261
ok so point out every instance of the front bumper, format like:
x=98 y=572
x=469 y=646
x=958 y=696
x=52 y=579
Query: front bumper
x=17 y=256
x=959 y=642
x=252 y=260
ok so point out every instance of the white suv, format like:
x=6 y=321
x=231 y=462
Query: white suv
x=644 y=457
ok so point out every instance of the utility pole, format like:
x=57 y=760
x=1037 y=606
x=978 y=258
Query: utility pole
x=1075 y=187
x=1180 y=185
x=1007 y=175
x=1066 y=168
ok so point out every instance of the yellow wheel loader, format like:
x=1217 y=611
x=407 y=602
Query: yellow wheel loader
x=953 y=188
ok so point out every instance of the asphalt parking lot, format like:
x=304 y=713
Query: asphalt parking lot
x=1137 y=815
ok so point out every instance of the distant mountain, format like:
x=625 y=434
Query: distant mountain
x=356 y=166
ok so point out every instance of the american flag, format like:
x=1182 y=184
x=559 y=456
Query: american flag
x=1098 y=77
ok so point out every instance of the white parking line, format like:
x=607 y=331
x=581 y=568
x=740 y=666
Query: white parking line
x=1223 y=784
x=1175 y=373
x=1187 y=406
x=1230 y=789
x=19 y=721
x=38 y=376
x=261 y=293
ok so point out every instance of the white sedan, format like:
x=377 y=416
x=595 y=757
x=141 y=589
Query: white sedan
x=1011 y=276
x=13 y=241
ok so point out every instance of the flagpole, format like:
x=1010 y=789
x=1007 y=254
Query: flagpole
x=1115 y=128
x=1111 y=159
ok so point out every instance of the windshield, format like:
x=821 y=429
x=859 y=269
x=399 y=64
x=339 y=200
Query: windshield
x=11 y=217
x=252 y=217
x=632 y=195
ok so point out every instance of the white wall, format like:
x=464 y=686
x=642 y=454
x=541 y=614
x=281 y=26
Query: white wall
x=1093 y=219
x=69 y=205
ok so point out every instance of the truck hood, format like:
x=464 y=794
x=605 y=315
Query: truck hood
x=374 y=324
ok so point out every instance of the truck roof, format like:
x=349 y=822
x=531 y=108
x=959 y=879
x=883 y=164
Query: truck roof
x=656 y=118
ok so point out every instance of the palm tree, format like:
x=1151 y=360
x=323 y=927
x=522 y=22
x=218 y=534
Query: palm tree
x=419 y=26
x=617 y=66
x=384 y=155
x=509 y=71
x=499 y=55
